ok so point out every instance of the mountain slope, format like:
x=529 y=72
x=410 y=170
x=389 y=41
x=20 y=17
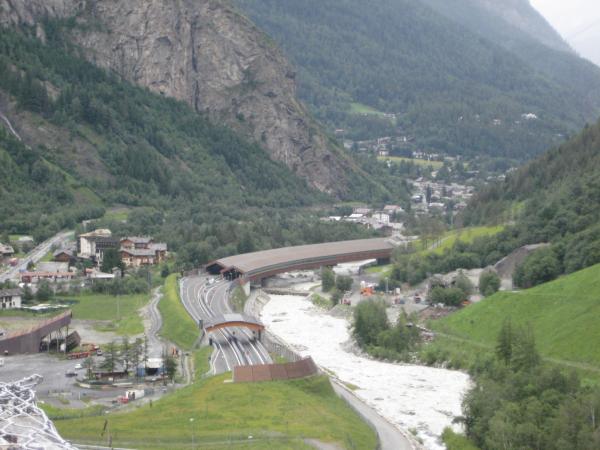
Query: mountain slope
x=554 y=198
x=563 y=314
x=204 y=53
x=453 y=90
x=93 y=140
x=518 y=28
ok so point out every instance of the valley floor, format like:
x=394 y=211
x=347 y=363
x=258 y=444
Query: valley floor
x=420 y=400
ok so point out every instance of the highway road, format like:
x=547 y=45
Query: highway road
x=234 y=346
x=35 y=255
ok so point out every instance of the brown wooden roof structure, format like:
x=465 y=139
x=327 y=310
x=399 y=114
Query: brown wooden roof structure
x=257 y=265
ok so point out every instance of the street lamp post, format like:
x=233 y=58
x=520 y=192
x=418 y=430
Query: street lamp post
x=192 y=426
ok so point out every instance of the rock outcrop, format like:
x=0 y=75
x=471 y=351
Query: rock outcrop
x=205 y=53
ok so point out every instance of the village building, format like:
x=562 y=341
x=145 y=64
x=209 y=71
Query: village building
x=10 y=298
x=94 y=274
x=92 y=245
x=381 y=217
x=6 y=251
x=356 y=217
x=393 y=209
x=65 y=256
x=34 y=277
x=139 y=251
x=362 y=210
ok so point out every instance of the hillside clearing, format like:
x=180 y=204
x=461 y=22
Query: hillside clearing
x=359 y=108
x=563 y=314
x=419 y=162
x=465 y=235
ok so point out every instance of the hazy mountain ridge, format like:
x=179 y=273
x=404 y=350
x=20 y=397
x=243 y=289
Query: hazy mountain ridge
x=452 y=88
x=521 y=15
x=519 y=28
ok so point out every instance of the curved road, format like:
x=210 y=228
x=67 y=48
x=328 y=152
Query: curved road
x=234 y=346
x=156 y=344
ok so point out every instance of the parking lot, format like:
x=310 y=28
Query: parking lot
x=56 y=384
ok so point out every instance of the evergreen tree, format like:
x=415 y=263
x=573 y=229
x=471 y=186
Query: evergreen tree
x=126 y=352
x=111 y=259
x=327 y=279
x=44 y=292
x=170 y=365
x=110 y=357
x=524 y=352
x=370 y=319
x=136 y=355
x=504 y=345
x=343 y=283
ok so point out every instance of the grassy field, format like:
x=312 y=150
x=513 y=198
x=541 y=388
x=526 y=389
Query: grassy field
x=419 y=162
x=321 y=302
x=563 y=313
x=238 y=299
x=55 y=413
x=121 y=311
x=466 y=235
x=201 y=365
x=117 y=214
x=359 y=108
x=178 y=326
x=384 y=270
x=276 y=414
x=48 y=256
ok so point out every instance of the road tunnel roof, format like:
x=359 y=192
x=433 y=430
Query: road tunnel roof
x=257 y=262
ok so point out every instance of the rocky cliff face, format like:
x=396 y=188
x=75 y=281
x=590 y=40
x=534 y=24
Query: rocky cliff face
x=205 y=53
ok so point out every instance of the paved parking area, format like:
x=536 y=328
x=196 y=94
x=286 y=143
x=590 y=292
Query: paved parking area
x=55 y=383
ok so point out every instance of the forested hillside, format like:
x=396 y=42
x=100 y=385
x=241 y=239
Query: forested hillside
x=452 y=89
x=91 y=140
x=555 y=198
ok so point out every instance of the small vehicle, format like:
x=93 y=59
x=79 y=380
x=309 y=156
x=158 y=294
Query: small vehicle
x=70 y=373
x=99 y=352
x=78 y=366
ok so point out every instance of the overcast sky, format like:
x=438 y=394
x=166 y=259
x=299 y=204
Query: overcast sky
x=578 y=21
